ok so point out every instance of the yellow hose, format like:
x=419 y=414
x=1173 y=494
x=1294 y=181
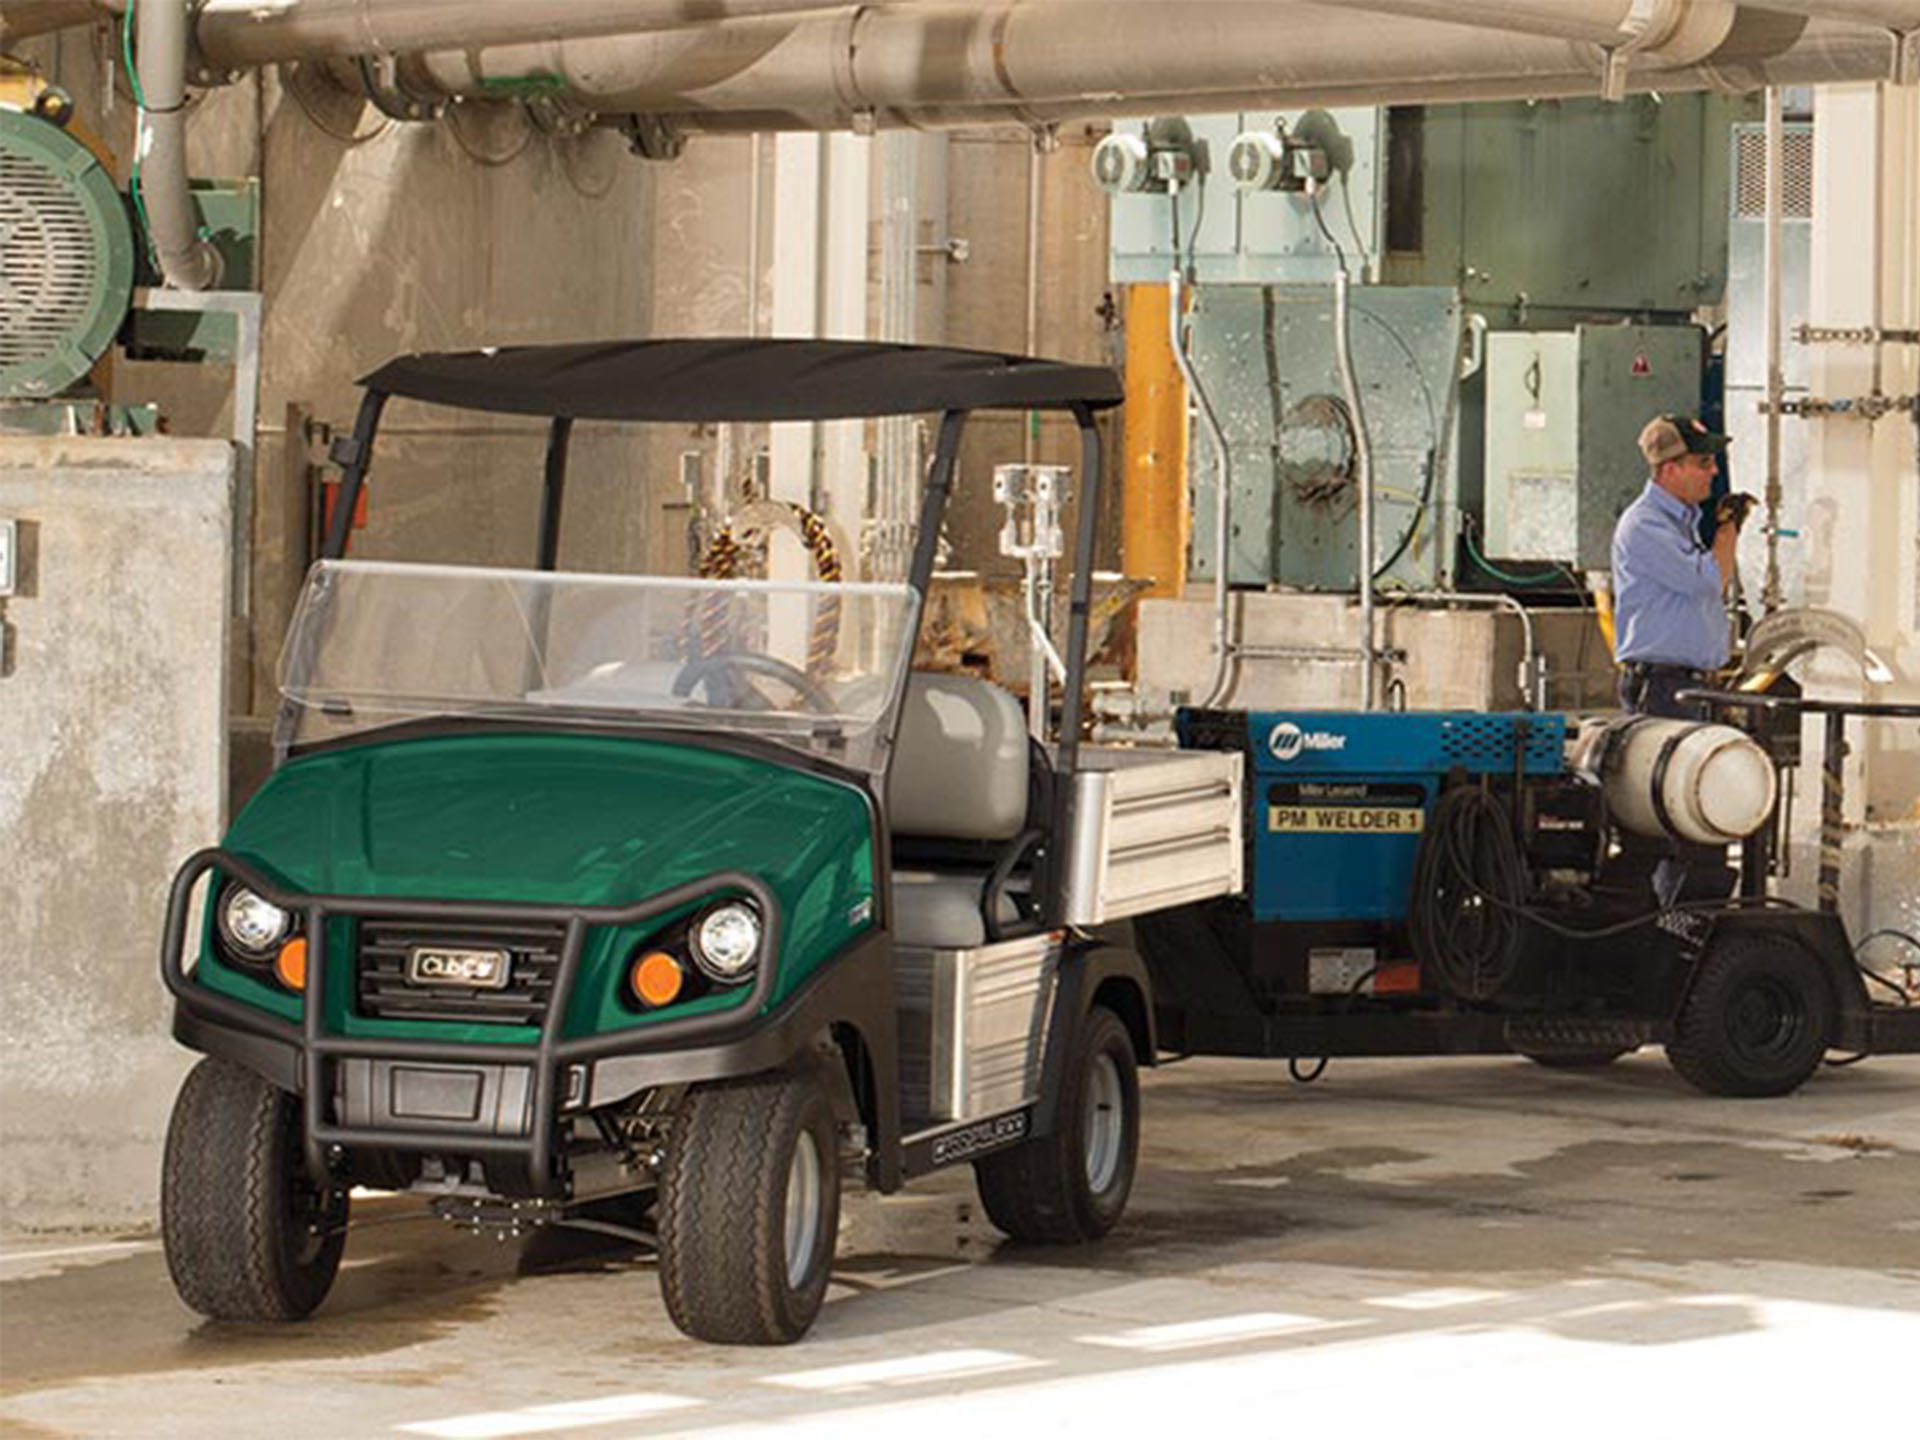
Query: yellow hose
x=723 y=560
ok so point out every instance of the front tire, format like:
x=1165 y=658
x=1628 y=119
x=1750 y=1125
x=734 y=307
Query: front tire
x=1757 y=1021
x=749 y=1210
x=1072 y=1185
x=247 y=1234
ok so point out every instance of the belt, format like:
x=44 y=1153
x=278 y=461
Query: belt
x=1641 y=668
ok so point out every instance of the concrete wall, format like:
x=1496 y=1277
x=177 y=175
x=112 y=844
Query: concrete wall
x=379 y=238
x=1454 y=659
x=112 y=770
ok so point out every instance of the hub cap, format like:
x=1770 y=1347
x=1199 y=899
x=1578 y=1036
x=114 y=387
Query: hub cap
x=804 y=1195
x=1765 y=1020
x=1106 y=1123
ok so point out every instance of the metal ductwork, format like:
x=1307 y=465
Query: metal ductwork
x=23 y=19
x=1032 y=63
x=239 y=34
x=187 y=261
x=738 y=65
x=1901 y=15
x=1661 y=32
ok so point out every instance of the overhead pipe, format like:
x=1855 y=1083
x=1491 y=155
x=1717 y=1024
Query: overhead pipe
x=187 y=262
x=1660 y=32
x=935 y=67
x=1903 y=15
x=794 y=65
x=239 y=34
x=24 y=19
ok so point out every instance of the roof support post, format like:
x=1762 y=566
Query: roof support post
x=559 y=434
x=1073 y=693
x=353 y=454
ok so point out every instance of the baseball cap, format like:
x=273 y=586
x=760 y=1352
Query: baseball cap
x=1668 y=437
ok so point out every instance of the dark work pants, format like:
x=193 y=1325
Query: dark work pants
x=1653 y=693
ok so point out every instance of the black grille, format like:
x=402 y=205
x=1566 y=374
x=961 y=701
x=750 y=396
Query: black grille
x=1487 y=741
x=382 y=991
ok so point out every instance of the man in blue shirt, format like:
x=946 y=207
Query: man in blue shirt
x=1671 y=622
x=1670 y=618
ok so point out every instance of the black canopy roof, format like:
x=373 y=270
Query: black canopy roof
x=712 y=380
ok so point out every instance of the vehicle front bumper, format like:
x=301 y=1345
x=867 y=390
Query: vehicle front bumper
x=480 y=1099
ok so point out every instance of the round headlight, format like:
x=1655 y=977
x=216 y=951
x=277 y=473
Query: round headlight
x=727 y=940
x=251 y=924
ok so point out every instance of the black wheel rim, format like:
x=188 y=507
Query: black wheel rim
x=1766 y=1021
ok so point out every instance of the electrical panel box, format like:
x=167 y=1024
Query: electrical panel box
x=1563 y=412
x=1533 y=446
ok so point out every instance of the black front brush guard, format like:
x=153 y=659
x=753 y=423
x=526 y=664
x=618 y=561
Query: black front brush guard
x=547 y=1057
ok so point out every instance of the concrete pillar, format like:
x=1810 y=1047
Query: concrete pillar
x=820 y=218
x=113 y=771
x=1864 y=485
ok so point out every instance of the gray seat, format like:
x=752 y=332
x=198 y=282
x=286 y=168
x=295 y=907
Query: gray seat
x=960 y=772
x=940 y=910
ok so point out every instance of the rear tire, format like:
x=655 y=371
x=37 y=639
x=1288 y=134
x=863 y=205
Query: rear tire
x=749 y=1210
x=247 y=1234
x=1757 y=1021
x=1072 y=1186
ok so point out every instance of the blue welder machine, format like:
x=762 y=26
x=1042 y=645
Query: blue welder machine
x=1465 y=883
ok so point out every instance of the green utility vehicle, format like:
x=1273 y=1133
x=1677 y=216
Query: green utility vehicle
x=668 y=900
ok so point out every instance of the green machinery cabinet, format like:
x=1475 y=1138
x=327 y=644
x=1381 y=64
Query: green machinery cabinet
x=1563 y=412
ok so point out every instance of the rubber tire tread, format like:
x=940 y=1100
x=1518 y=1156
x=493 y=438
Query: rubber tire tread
x=1577 y=1059
x=722 y=1210
x=224 y=1212
x=1037 y=1192
x=1700 y=1050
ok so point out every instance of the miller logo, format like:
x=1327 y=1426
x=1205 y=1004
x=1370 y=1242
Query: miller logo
x=1288 y=740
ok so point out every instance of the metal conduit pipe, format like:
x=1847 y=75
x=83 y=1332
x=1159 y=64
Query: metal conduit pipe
x=1036 y=64
x=1771 y=595
x=186 y=261
x=1363 y=455
x=1223 y=649
x=1532 y=686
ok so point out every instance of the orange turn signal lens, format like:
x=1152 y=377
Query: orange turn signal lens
x=657 y=978
x=291 y=966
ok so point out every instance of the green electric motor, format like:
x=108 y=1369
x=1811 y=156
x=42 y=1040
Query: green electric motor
x=66 y=258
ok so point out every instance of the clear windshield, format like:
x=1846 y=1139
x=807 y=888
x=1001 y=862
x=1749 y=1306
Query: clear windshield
x=812 y=666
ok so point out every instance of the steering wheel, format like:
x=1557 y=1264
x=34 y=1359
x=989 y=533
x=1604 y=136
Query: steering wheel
x=705 y=673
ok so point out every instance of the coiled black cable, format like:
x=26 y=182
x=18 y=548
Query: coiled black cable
x=1470 y=888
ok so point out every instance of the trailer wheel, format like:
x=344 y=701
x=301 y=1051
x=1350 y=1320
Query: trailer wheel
x=1757 y=1021
x=247 y=1234
x=1072 y=1185
x=749 y=1209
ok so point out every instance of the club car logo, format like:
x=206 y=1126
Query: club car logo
x=1288 y=741
x=471 y=969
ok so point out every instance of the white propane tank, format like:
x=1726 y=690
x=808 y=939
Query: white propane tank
x=1710 y=784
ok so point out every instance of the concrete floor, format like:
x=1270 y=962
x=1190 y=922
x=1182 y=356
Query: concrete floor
x=1436 y=1248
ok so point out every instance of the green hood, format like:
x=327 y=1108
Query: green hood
x=541 y=819
x=566 y=819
